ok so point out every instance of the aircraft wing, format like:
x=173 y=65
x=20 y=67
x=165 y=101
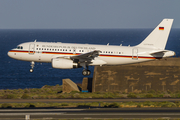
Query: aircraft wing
x=86 y=59
x=86 y=56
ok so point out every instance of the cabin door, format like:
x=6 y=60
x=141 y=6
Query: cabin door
x=31 y=49
x=135 y=54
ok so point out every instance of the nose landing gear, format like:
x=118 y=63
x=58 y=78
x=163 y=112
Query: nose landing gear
x=32 y=66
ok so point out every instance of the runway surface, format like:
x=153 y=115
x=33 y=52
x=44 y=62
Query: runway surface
x=18 y=114
x=86 y=100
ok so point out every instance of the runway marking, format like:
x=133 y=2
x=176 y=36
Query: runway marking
x=88 y=118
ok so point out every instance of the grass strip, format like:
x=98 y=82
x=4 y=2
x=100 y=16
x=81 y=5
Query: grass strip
x=147 y=104
x=55 y=92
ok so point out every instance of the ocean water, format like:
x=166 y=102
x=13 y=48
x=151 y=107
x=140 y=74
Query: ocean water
x=15 y=74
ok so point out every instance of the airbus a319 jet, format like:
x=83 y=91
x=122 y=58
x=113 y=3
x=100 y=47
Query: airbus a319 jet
x=70 y=55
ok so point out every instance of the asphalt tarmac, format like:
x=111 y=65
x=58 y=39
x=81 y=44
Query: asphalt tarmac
x=128 y=113
x=86 y=113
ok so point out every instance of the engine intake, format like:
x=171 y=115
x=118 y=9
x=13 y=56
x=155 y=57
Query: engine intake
x=61 y=63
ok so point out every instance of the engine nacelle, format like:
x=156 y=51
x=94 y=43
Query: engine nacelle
x=61 y=63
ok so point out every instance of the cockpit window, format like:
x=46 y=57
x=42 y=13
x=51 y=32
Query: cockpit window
x=19 y=47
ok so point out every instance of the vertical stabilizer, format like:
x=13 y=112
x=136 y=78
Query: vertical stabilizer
x=157 y=39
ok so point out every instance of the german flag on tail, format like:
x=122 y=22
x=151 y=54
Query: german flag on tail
x=161 y=28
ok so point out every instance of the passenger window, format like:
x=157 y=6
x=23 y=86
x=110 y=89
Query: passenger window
x=39 y=48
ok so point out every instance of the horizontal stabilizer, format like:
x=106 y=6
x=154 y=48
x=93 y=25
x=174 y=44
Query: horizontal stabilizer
x=156 y=52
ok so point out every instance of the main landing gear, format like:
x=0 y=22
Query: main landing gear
x=32 y=66
x=86 y=72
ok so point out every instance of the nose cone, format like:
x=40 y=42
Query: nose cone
x=10 y=54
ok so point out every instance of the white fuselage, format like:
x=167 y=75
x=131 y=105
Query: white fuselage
x=69 y=55
x=109 y=55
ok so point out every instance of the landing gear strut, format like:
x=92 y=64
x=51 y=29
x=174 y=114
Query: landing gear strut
x=32 y=66
x=86 y=72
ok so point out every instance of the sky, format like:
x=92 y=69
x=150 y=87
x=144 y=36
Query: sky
x=87 y=14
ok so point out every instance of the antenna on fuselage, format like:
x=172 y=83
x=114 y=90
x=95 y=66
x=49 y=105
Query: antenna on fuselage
x=120 y=44
x=108 y=44
x=35 y=40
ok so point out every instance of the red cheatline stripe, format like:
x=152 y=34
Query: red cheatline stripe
x=58 y=53
x=18 y=51
x=130 y=56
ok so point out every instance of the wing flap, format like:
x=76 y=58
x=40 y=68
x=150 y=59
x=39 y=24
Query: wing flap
x=88 y=56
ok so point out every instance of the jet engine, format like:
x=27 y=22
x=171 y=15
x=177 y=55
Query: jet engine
x=61 y=63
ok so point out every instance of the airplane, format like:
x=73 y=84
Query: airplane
x=70 y=55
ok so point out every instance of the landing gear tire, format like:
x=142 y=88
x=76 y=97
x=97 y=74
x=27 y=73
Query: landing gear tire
x=86 y=72
x=32 y=66
x=31 y=70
